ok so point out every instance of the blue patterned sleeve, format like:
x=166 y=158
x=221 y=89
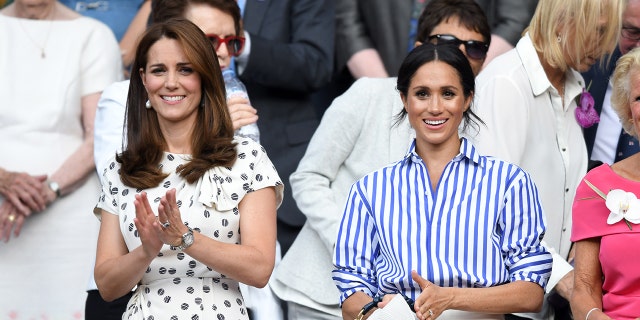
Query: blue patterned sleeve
x=523 y=224
x=356 y=247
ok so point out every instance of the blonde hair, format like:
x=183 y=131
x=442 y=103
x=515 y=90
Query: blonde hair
x=626 y=67
x=577 y=20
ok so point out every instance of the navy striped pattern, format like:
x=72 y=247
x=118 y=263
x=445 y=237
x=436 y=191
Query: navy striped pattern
x=481 y=227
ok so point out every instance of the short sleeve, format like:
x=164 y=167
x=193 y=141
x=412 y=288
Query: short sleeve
x=110 y=180
x=224 y=187
x=101 y=63
x=589 y=211
x=265 y=174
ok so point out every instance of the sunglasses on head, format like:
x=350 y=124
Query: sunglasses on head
x=475 y=49
x=234 y=44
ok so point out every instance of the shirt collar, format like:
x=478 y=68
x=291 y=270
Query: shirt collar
x=536 y=75
x=467 y=151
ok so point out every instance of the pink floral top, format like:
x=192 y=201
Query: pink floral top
x=619 y=246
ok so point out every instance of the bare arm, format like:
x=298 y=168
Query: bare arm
x=587 y=287
x=75 y=169
x=129 y=40
x=29 y=193
x=252 y=261
x=517 y=296
x=117 y=270
x=367 y=63
x=352 y=305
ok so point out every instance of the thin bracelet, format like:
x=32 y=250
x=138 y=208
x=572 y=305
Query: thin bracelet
x=369 y=306
x=589 y=313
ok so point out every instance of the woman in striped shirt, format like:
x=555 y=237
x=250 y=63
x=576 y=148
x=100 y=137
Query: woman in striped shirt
x=455 y=231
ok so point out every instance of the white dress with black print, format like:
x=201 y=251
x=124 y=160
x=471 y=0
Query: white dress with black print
x=176 y=286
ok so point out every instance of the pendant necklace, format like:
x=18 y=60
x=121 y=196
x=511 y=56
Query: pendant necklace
x=46 y=39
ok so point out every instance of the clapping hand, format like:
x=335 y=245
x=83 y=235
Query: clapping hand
x=172 y=227
x=167 y=228
x=147 y=225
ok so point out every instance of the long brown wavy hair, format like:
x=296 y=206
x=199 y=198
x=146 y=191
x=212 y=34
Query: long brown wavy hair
x=212 y=135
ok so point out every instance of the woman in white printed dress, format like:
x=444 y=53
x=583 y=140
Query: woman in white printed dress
x=176 y=201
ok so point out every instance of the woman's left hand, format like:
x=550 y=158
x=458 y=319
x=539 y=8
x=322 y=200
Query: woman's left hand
x=170 y=220
x=432 y=301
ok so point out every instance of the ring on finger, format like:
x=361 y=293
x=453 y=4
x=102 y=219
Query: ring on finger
x=11 y=218
x=430 y=312
x=166 y=224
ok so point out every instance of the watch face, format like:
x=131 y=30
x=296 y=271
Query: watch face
x=187 y=238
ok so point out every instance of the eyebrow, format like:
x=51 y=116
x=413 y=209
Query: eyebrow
x=179 y=64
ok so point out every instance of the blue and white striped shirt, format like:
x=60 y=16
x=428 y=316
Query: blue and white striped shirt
x=481 y=227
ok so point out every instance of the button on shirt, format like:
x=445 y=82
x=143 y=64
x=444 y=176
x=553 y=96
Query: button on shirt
x=528 y=124
x=481 y=227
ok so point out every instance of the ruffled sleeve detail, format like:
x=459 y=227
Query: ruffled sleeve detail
x=223 y=188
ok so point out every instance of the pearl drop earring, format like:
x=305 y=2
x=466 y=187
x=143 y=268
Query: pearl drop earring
x=147 y=104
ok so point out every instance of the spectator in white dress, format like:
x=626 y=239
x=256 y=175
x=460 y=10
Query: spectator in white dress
x=54 y=63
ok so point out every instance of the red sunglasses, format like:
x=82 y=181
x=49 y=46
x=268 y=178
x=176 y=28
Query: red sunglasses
x=234 y=44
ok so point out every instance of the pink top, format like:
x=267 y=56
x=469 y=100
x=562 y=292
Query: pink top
x=619 y=247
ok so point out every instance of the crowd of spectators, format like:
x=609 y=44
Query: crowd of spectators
x=454 y=158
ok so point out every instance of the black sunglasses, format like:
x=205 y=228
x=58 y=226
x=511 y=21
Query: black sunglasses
x=475 y=49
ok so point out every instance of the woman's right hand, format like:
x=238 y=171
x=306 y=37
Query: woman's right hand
x=242 y=113
x=147 y=230
x=10 y=219
x=24 y=191
x=431 y=302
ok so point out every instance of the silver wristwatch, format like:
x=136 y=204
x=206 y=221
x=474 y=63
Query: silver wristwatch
x=187 y=240
x=54 y=187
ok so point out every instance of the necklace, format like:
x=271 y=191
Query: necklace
x=46 y=39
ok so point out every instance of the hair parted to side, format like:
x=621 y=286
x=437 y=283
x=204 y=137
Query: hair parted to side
x=468 y=12
x=213 y=130
x=578 y=19
x=448 y=54
x=163 y=10
x=627 y=66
